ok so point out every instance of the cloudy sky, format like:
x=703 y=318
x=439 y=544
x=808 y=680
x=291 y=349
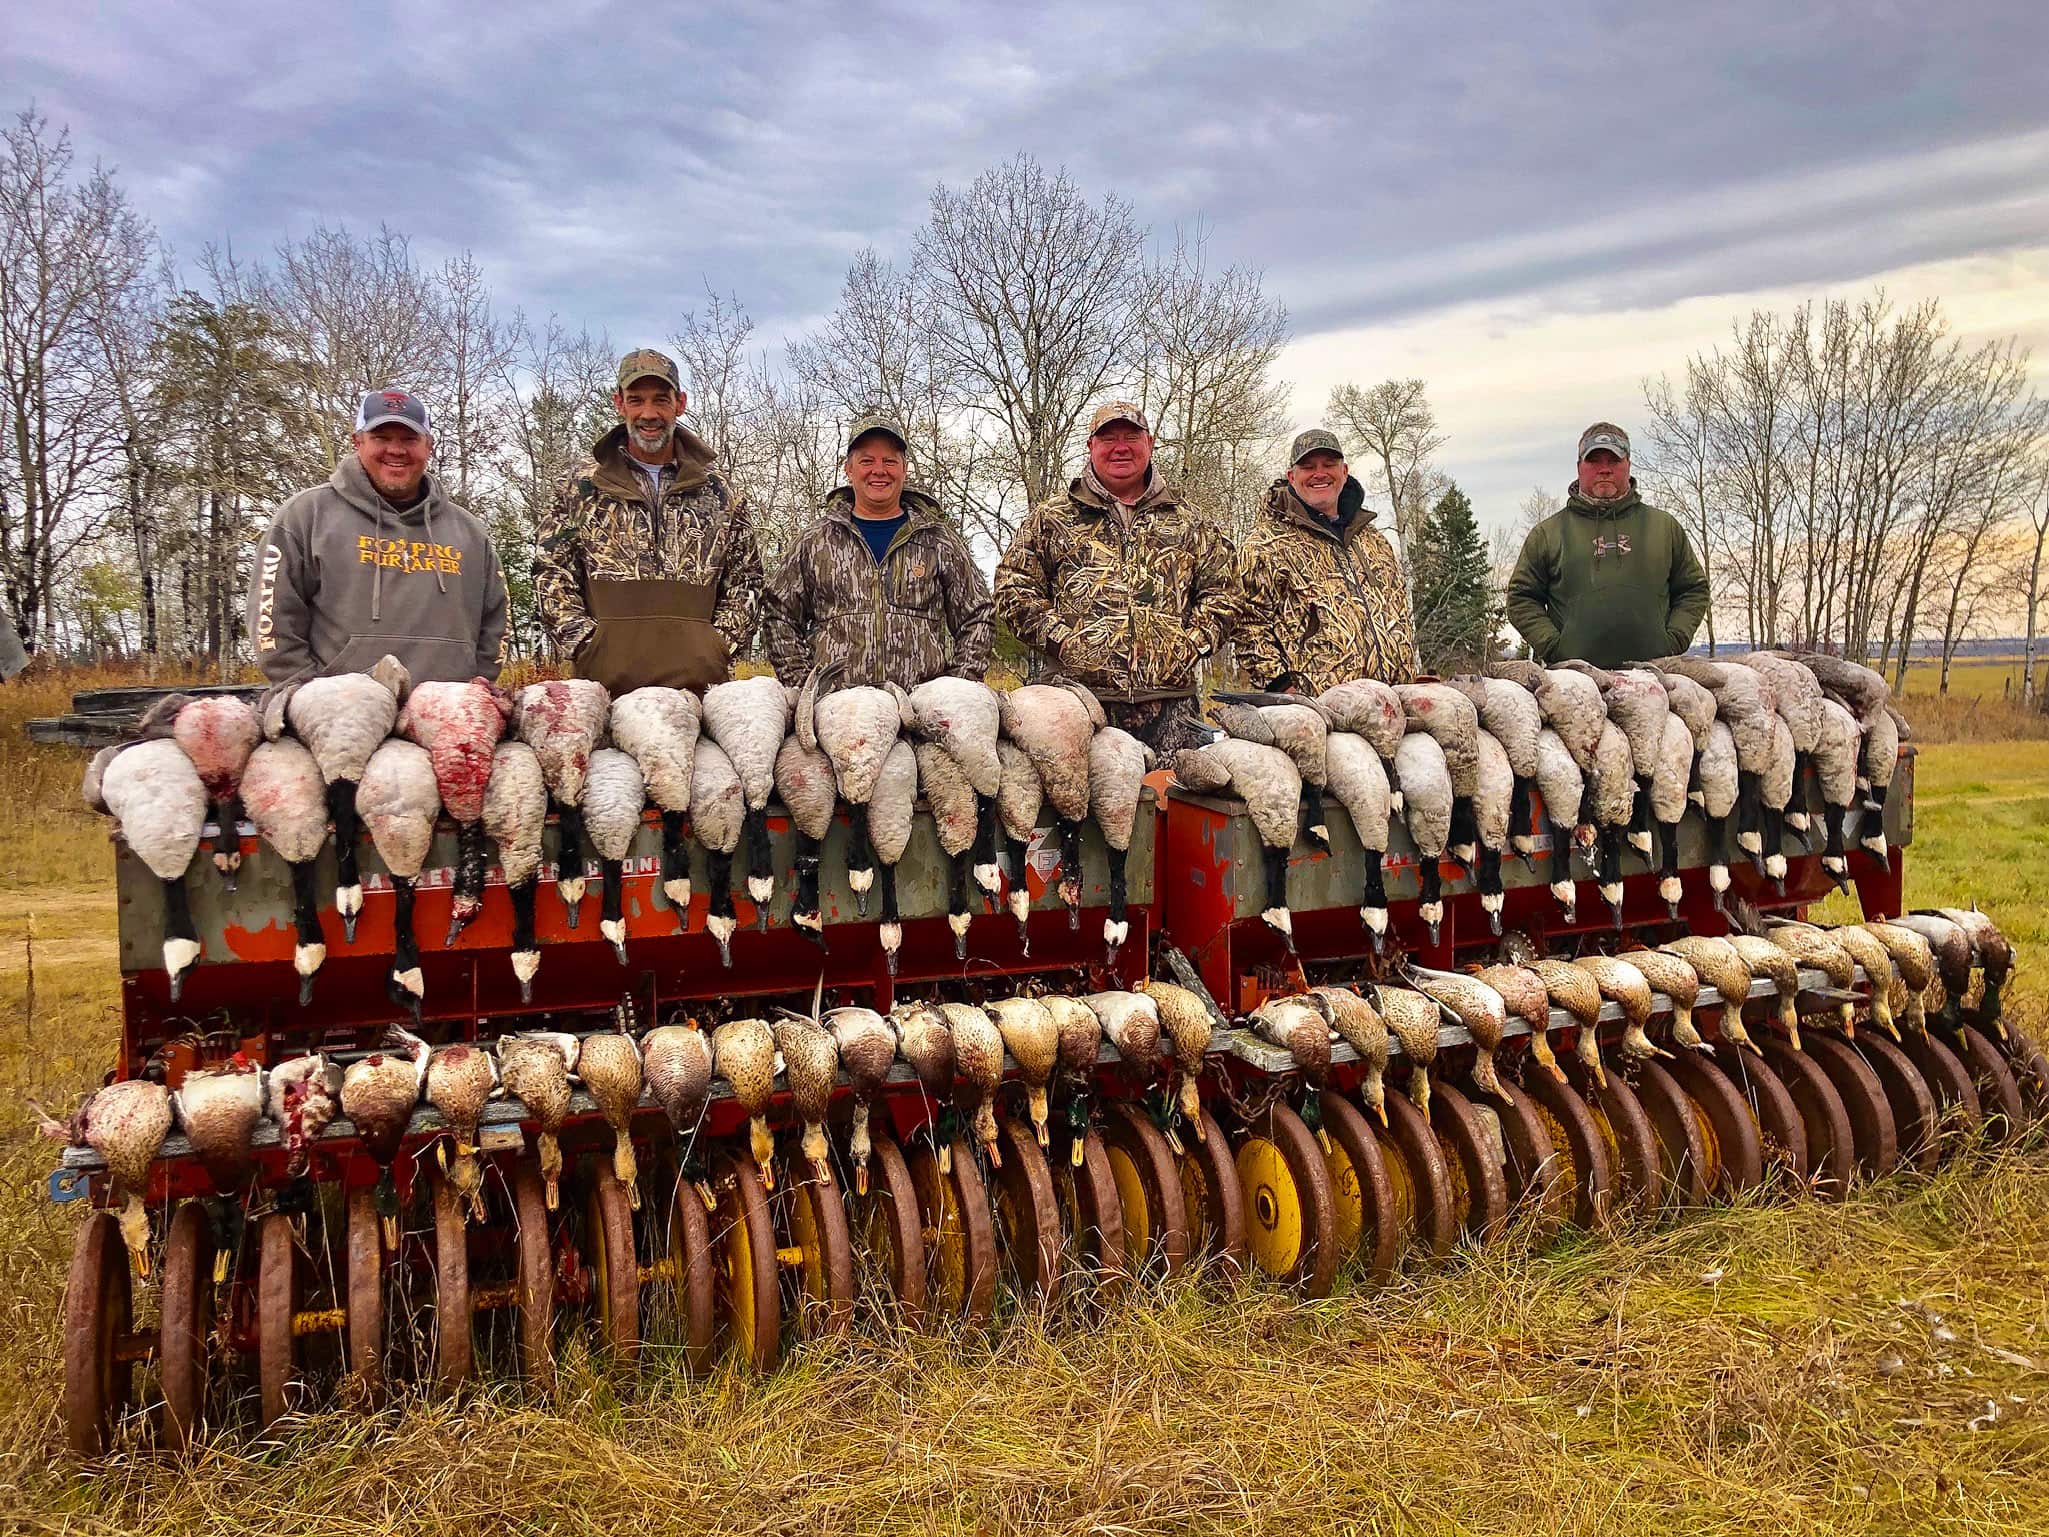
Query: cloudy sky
x=1531 y=206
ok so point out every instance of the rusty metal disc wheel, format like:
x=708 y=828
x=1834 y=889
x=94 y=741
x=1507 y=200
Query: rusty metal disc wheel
x=1824 y=1119
x=750 y=1289
x=365 y=1324
x=1027 y=1214
x=99 y=1378
x=1212 y=1199
x=1999 y=1096
x=185 y=1330
x=1873 y=1138
x=1148 y=1191
x=1537 y=1167
x=692 y=1269
x=1418 y=1170
x=814 y=1250
x=1582 y=1137
x=1290 y=1213
x=891 y=1237
x=535 y=1257
x=1626 y=1130
x=1782 y=1131
x=1956 y=1096
x=959 y=1235
x=1916 y=1117
x=2030 y=1071
x=280 y=1294
x=1725 y=1121
x=1367 y=1225
x=454 y=1344
x=1688 y=1165
x=1090 y=1215
x=615 y=1269
x=1472 y=1153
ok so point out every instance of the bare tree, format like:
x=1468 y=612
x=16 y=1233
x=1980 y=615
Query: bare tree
x=469 y=418
x=2038 y=527
x=1397 y=429
x=1682 y=466
x=1031 y=293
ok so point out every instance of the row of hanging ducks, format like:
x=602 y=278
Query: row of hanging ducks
x=1614 y=756
x=337 y=756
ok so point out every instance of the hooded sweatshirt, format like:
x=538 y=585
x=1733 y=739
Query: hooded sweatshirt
x=343 y=577
x=1607 y=582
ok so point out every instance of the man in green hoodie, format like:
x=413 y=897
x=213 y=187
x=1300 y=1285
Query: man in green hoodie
x=1608 y=578
x=378 y=560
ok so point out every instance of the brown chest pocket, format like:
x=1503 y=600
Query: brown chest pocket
x=653 y=632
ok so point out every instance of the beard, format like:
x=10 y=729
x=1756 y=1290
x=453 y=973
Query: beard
x=650 y=442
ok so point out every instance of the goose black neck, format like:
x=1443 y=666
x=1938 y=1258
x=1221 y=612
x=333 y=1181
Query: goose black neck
x=306 y=904
x=675 y=856
x=341 y=810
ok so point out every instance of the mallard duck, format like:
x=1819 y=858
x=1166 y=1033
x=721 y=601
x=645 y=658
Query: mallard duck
x=1298 y=1027
x=1679 y=982
x=1523 y=993
x=219 y=1107
x=1994 y=954
x=1766 y=959
x=925 y=1042
x=1360 y=1027
x=977 y=1069
x=460 y=1081
x=303 y=1097
x=1719 y=964
x=1913 y=960
x=1576 y=992
x=1032 y=1037
x=1186 y=1019
x=1869 y=952
x=1132 y=1022
x=1480 y=1009
x=864 y=1045
x=535 y=1069
x=378 y=1094
x=608 y=1062
x=1631 y=991
x=811 y=1068
x=743 y=1053
x=1413 y=1020
x=125 y=1123
x=1081 y=1033
x=1819 y=948
x=677 y=1060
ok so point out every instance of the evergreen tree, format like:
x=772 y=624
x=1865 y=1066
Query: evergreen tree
x=1455 y=603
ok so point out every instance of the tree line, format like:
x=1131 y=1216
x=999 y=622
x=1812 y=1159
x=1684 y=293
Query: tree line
x=1853 y=476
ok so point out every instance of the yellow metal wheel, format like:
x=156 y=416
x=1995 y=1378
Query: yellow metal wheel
x=1350 y=1204
x=1273 y=1203
x=1402 y=1182
x=1138 y=1232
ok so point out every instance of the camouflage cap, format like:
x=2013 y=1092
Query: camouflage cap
x=1604 y=435
x=875 y=421
x=646 y=363
x=1317 y=440
x=1117 y=411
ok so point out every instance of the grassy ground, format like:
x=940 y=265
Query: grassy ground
x=1785 y=1368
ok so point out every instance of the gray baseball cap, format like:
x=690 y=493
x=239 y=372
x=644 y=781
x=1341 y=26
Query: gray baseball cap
x=393 y=405
x=1317 y=440
x=876 y=421
x=1604 y=435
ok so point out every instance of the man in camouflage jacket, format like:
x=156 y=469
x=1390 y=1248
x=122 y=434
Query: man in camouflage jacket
x=1123 y=585
x=1324 y=598
x=882 y=589
x=647 y=570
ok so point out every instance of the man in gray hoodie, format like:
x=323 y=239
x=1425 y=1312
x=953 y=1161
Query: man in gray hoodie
x=379 y=560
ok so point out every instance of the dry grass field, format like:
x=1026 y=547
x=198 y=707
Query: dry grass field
x=1880 y=1366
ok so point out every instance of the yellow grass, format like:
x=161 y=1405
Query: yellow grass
x=1878 y=1366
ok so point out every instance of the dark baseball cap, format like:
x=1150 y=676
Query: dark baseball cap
x=876 y=421
x=378 y=407
x=1317 y=440
x=646 y=363
x=1117 y=411
x=1604 y=435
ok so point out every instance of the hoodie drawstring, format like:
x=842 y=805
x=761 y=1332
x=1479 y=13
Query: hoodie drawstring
x=377 y=567
x=427 y=515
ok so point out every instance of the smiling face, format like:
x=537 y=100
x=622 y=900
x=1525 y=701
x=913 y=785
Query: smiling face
x=395 y=458
x=649 y=408
x=875 y=469
x=1603 y=475
x=1120 y=454
x=1317 y=479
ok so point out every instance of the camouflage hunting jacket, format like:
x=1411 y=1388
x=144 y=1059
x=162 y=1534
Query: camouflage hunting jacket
x=1322 y=604
x=921 y=612
x=1127 y=601
x=603 y=525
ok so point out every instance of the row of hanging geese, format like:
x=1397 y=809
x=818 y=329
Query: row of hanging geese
x=1613 y=756
x=336 y=756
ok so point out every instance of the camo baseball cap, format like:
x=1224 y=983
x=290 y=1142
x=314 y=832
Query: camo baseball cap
x=1604 y=435
x=1317 y=440
x=876 y=421
x=378 y=407
x=1117 y=411
x=646 y=363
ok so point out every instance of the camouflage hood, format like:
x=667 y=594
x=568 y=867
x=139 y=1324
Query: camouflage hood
x=611 y=470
